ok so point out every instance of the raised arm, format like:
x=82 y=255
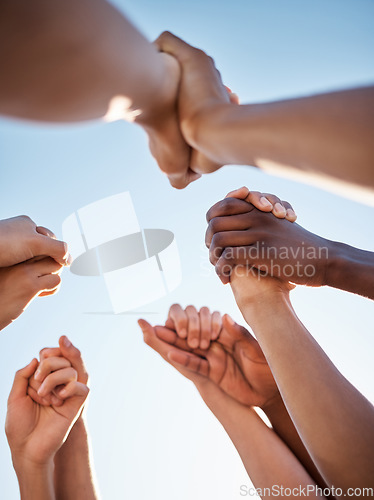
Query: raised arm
x=72 y=61
x=74 y=474
x=329 y=135
x=332 y=418
x=265 y=456
x=241 y=234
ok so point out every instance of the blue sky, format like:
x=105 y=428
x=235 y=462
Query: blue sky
x=152 y=436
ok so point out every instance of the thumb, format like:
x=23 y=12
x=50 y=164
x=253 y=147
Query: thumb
x=72 y=354
x=56 y=249
x=21 y=381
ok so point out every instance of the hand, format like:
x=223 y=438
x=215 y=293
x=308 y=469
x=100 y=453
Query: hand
x=200 y=90
x=174 y=156
x=234 y=363
x=36 y=432
x=64 y=356
x=265 y=202
x=21 y=240
x=239 y=234
x=20 y=284
x=198 y=327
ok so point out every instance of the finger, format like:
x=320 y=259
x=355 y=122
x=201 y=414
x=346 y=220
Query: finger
x=48 y=352
x=290 y=212
x=152 y=340
x=57 y=250
x=230 y=259
x=45 y=231
x=179 y=317
x=190 y=361
x=230 y=239
x=180 y=180
x=228 y=206
x=47 y=401
x=278 y=208
x=72 y=354
x=262 y=201
x=50 y=365
x=61 y=377
x=216 y=325
x=205 y=327
x=49 y=282
x=47 y=265
x=21 y=381
x=193 y=335
x=74 y=389
x=234 y=99
x=171 y=44
x=239 y=222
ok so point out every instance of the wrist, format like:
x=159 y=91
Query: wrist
x=161 y=106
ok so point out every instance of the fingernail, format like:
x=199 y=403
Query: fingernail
x=265 y=202
x=37 y=374
x=41 y=390
x=62 y=392
x=194 y=343
x=66 y=342
x=230 y=320
x=183 y=333
x=279 y=208
x=291 y=213
x=69 y=260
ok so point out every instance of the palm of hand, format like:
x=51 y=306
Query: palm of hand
x=41 y=430
x=246 y=374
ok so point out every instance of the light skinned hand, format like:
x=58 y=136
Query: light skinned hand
x=200 y=90
x=197 y=327
x=22 y=283
x=21 y=239
x=266 y=202
x=36 y=432
x=234 y=363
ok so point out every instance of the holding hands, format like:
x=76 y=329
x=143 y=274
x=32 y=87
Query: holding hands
x=46 y=399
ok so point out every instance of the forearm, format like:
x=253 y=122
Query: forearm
x=69 y=61
x=74 y=474
x=328 y=134
x=35 y=481
x=267 y=460
x=333 y=419
x=284 y=427
x=351 y=269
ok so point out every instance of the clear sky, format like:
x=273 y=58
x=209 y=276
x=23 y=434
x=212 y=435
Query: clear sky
x=152 y=435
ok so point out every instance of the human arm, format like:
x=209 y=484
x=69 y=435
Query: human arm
x=334 y=421
x=266 y=458
x=239 y=367
x=239 y=234
x=36 y=431
x=74 y=474
x=74 y=61
x=328 y=134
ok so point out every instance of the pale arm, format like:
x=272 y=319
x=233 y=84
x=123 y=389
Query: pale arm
x=329 y=134
x=35 y=480
x=74 y=475
x=332 y=418
x=266 y=458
